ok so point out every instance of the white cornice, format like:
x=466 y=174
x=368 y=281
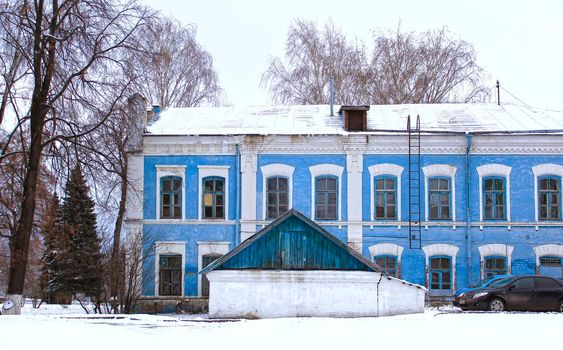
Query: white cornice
x=337 y=144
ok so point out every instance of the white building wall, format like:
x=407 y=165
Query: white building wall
x=270 y=294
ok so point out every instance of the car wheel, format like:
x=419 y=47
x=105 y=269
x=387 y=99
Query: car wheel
x=560 y=308
x=497 y=304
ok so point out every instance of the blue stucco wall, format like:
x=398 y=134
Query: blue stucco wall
x=522 y=238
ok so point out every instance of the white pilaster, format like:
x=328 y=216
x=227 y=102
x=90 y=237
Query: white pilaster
x=248 y=168
x=354 y=166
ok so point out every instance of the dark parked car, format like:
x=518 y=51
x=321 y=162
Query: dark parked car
x=481 y=284
x=525 y=293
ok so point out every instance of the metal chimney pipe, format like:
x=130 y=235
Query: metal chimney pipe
x=331 y=97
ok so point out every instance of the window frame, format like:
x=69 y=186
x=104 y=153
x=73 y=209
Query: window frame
x=166 y=248
x=276 y=170
x=171 y=193
x=388 y=256
x=556 y=192
x=327 y=193
x=484 y=198
x=449 y=192
x=162 y=270
x=165 y=171
x=205 y=171
x=394 y=191
x=277 y=192
x=494 y=271
x=431 y=270
x=214 y=194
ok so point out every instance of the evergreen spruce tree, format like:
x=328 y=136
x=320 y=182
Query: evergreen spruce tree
x=83 y=270
x=50 y=281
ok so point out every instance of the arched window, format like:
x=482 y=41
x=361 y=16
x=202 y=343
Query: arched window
x=276 y=197
x=170 y=274
x=170 y=197
x=388 y=263
x=326 y=193
x=386 y=197
x=440 y=272
x=213 y=198
x=549 y=198
x=495 y=265
x=439 y=198
x=494 y=196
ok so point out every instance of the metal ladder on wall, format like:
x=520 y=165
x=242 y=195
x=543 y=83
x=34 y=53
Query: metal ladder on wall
x=415 y=219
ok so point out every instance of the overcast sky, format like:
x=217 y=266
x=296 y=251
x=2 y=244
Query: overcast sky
x=518 y=42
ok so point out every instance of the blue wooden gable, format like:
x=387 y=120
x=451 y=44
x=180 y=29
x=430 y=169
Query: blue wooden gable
x=293 y=242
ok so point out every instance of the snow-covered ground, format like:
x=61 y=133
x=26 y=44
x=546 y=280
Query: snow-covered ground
x=55 y=327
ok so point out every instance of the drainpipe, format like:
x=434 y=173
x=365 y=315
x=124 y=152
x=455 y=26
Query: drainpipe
x=237 y=196
x=469 y=138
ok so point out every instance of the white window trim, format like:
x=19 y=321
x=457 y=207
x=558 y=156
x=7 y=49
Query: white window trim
x=439 y=170
x=494 y=170
x=547 y=250
x=169 y=247
x=170 y=170
x=204 y=248
x=381 y=170
x=496 y=250
x=273 y=170
x=444 y=250
x=544 y=170
x=386 y=249
x=326 y=169
x=212 y=170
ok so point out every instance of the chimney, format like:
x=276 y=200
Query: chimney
x=355 y=117
x=137 y=120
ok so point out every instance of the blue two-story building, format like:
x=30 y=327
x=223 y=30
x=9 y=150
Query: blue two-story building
x=482 y=188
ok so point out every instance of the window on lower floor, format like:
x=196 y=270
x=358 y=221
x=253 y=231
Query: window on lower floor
x=170 y=274
x=385 y=198
x=213 y=198
x=277 y=197
x=494 y=265
x=494 y=198
x=440 y=272
x=550 y=198
x=439 y=199
x=170 y=197
x=388 y=263
x=206 y=260
x=326 y=192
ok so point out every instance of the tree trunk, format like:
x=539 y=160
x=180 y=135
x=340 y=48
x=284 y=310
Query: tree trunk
x=115 y=275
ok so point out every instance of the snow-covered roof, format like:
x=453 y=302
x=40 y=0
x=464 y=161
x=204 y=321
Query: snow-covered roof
x=316 y=119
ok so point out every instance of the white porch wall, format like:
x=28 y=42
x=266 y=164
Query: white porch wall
x=270 y=294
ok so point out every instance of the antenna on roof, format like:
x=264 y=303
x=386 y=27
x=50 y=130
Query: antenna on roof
x=498 y=93
x=331 y=97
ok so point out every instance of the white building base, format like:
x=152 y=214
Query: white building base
x=270 y=294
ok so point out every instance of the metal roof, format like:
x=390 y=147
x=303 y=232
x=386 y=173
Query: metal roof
x=316 y=119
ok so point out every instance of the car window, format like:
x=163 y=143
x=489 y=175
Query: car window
x=501 y=282
x=544 y=283
x=522 y=283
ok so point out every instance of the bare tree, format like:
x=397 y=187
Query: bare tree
x=73 y=44
x=313 y=57
x=431 y=67
x=171 y=68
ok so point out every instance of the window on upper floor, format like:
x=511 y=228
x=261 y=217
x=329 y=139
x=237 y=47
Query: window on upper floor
x=326 y=192
x=170 y=197
x=495 y=265
x=439 y=198
x=170 y=274
x=276 y=197
x=386 y=197
x=213 y=198
x=494 y=198
x=388 y=263
x=549 y=198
